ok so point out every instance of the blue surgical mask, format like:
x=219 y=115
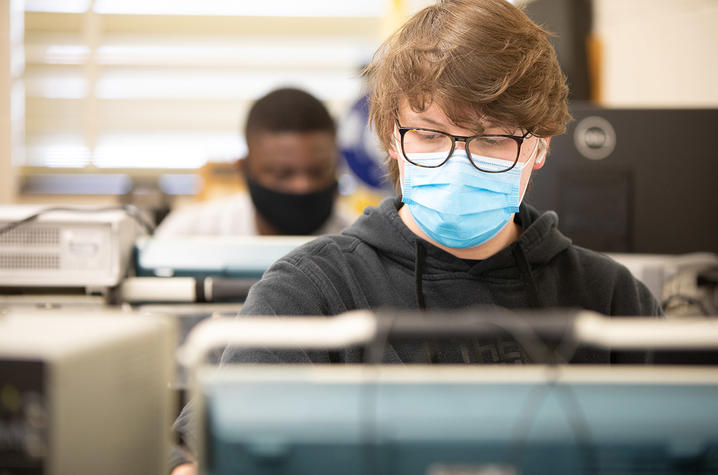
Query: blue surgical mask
x=458 y=205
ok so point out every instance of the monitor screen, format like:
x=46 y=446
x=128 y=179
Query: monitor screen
x=445 y=420
x=634 y=180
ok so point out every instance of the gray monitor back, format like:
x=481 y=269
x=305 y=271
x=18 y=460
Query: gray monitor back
x=634 y=180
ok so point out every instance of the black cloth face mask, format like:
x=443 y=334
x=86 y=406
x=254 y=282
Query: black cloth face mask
x=293 y=213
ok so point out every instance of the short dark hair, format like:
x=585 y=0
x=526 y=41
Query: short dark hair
x=288 y=110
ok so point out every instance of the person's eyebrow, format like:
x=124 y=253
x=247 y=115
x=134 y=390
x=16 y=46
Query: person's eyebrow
x=425 y=121
x=434 y=123
x=480 y=128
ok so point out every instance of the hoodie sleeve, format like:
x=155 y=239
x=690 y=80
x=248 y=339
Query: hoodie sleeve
x=285 y=289
x=632 y=298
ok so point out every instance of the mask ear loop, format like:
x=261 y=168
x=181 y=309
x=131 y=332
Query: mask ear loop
x=542 y=150
x=399 y=155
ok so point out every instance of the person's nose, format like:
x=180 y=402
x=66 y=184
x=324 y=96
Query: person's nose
x=300 y=183
x=459 y=145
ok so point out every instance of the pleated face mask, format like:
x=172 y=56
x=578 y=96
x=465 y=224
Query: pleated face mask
x=456 y=204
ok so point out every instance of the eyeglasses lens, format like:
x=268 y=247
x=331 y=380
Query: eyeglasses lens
x=426 y=148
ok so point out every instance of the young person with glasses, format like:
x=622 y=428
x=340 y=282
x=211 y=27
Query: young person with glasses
x=466 y=96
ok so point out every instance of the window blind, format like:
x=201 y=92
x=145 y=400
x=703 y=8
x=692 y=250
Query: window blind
x=149 y=84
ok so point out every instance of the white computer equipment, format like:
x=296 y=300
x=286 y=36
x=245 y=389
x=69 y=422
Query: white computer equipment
x=69 y=247
x=202 y=269
x=675 y=280
x=85 y=392
x=201 y=256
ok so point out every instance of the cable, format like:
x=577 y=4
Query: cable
x=575 y=417
x=131 y=210
x=572 y=409
x=525 y=336
x=538 y=352
x=135 y=213
x=372 y=355
x=567 y=347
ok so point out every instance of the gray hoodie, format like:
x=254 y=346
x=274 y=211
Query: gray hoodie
x=378 y=263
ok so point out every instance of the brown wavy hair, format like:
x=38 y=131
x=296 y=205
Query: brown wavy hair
x=478 y=60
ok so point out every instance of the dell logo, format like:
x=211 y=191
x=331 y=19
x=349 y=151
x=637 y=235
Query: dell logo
x=594 y=138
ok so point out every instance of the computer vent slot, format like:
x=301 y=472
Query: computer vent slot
x=29 y=261
x=31 y=236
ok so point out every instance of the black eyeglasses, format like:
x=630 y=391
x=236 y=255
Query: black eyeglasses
x=493 y=153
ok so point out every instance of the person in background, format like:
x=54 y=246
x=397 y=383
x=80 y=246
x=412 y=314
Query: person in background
x=290 y=173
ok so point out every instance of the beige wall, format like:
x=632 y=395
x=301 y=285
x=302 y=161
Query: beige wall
x=658 y=53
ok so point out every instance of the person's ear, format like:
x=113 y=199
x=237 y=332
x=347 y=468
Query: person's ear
x=392 y=153
x=241 y=164
x=542 y=153
x=393 y=147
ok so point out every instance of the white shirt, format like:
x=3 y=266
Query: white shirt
x=228 y=216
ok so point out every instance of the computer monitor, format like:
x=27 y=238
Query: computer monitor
x=634 y=180
x=453 y=419
x=84 y=391
x=503 y=420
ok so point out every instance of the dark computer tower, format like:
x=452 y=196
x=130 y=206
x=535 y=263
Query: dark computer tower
x=570 y=22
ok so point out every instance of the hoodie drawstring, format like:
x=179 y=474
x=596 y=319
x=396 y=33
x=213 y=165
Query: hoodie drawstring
x=431 y=348
x=521 y=261
x=528 y=277
x=418 y=271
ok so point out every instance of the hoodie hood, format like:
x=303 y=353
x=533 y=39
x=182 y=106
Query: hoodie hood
x=540 y=241
x=382 y=228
